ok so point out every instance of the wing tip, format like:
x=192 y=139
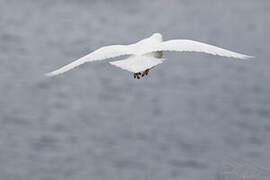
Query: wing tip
x=51 y=74
x=48 y=75
x=246 y=57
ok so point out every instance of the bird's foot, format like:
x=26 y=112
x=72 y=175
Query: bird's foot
x=137 y=75
x=145 y=73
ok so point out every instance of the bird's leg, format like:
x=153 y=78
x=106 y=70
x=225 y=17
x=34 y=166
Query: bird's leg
x=145 y=73
x=134 y=75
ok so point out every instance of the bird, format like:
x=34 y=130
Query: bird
x=145 y=54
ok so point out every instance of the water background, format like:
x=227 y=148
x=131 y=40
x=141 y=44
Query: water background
x=185 y=120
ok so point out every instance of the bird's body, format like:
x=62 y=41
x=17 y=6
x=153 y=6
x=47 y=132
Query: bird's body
x=147 y=53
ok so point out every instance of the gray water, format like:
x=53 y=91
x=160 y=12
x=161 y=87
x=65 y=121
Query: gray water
x=186 y=120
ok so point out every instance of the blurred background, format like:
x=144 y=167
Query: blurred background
x=185 y=120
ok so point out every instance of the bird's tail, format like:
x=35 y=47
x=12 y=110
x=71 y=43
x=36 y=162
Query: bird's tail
x=137 y=64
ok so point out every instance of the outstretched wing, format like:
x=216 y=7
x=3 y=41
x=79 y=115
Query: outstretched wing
x=194 y=46
x=137 y=64
x=99 y=54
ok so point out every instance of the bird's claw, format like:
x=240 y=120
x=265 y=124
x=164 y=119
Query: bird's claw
x=137 y=75
x=146 y=72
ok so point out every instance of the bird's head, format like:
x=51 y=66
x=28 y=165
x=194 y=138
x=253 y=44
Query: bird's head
x=157 y=36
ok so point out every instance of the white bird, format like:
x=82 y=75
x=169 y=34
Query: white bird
x=146 y=54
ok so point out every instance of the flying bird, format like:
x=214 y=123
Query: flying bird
x=146 y=54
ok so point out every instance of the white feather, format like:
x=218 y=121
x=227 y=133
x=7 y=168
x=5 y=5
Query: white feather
x=194 y=46
x=137 y=64
x=100 y=54
x=144 y=48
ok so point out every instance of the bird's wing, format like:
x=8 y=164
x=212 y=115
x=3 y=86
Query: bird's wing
x=194 y=46
x=100 y=54
x=137 y=64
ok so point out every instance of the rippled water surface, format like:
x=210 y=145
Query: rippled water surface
x=186 y=120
